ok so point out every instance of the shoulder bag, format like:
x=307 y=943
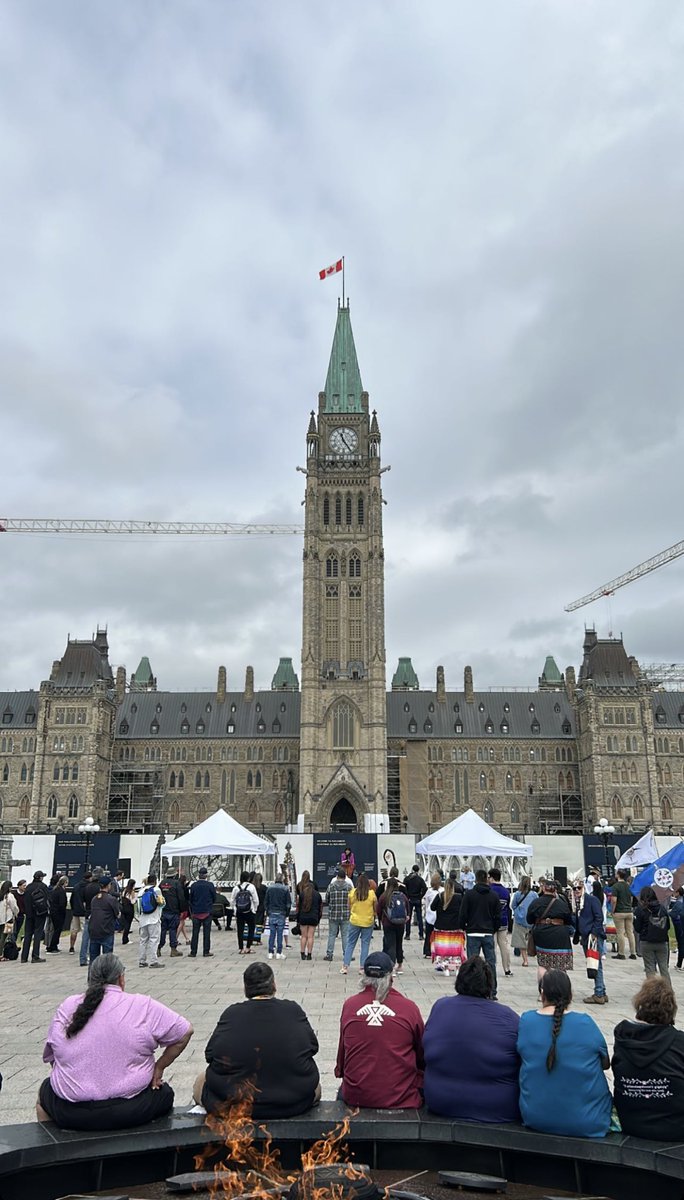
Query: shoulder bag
x=531 y=948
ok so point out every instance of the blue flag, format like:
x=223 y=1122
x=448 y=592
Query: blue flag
x=668 y=864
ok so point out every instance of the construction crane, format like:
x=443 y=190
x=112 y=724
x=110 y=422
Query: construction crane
x=644 y=568
x=159 y=528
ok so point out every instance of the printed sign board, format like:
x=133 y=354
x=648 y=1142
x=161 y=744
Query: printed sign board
x=70 y=854
x=328 y=848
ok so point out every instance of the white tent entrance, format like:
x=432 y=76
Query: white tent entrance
x=469 y=838
x=220 y=838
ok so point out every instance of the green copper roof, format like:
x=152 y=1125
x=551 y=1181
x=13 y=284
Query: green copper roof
x=343 y=385
x=144 y=671
x=285 y=678
x=405 y=676
x=551 y=673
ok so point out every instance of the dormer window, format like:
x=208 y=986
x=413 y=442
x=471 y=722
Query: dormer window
x=413 y=727
x=566 y=727
x=123 y=727
x=458 y=727
x=283 y=707
x=489 y=727
x=276 y=726
x=535 y=726
x=456 y=707
x=158 y=708
x=207 y=708
x=230 y=727
x=659 y=715
x=30 y=716
x=257 y=707
x=504 y=726
x=134 y=709
x=154 y=727
x=199 y=727
x=407 y=707
x=531 y=708
x=7 y=716
x=427 y=726
x=507 y=707
x=185 y=726
x=261 y=726
x=431 y=707
x=184 y=708
x=233 y=708
x=480 y=707
x=556 y=708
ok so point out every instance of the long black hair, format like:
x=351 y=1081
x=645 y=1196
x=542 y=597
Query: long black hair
x=556 y=990
x=106 y=969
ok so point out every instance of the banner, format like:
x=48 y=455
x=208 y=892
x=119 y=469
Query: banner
x=70 y=854
x=328 y=849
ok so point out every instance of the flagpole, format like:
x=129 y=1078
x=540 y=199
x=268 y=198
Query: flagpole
x=343 y=280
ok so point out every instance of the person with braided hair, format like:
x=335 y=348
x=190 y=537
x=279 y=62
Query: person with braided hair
x=101 y=1048
x=563 y=1054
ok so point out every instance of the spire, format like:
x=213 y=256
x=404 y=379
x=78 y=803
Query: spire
x=343 y=387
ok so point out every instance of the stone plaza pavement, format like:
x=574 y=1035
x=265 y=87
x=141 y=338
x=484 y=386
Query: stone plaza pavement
x=201 y=988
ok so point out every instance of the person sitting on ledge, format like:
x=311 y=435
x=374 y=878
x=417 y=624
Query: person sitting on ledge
x=101 y=1046
x=563 y=1055
x=471 y=1060
x=262 y=1046
x=648 y=1066
x=380 y=1051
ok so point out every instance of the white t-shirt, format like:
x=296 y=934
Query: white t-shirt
x=429 y=896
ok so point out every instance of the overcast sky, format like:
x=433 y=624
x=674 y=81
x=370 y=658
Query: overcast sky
x=506 y=181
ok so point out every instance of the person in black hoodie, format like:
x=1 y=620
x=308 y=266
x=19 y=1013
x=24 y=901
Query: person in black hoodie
x=36 y=908
x=480 y=917
x=651 y=923
x=648 y=1066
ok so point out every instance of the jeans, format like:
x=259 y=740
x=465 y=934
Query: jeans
x=276 y=925
x=415 y=906
x=203 y=923
x=656 y=954
x=34 y=928
x=85 y=943
x=485 y=943
x=169 y=924
x=354 y=933
x=393 y=942
x=104 y=946
x=335 y=926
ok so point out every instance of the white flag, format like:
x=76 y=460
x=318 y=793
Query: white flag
x=641 y=853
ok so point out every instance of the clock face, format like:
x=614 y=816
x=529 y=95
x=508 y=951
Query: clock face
x=343 y=440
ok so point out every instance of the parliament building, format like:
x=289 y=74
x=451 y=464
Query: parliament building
x=334 y=748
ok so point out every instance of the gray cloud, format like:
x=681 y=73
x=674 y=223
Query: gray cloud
x=505 y=183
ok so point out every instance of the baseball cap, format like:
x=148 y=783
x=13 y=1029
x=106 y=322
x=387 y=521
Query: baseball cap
x=38 y=875
x=378 y=964
x=105 y=880
x=203 y=871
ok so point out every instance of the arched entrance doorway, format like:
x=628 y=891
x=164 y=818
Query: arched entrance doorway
x=343 y=817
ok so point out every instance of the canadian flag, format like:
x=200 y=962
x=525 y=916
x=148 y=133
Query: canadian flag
x=331 y=270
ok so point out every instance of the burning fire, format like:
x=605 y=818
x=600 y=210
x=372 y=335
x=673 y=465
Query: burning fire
x=253 y=1167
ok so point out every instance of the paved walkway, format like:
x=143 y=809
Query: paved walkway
x=202 y=988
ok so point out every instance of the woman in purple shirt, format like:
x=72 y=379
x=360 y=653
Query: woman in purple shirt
x=471 y=1060
x=101 y=1046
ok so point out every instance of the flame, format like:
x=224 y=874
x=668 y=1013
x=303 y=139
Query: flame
x=254 y=1166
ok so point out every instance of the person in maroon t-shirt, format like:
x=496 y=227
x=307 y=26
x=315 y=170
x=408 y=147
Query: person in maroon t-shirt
x=380 y=1053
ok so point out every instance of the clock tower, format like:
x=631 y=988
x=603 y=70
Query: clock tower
x=343 y=736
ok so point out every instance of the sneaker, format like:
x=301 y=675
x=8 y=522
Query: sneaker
x=71 y=950
x=622 y=956
x=176 y=954
x=282 y=956
x=270 y=955
x=191 y=955
x=144 y=964
x=327 y=958
x=633 y=956
x=208 y=954
x=595 y=999
x=343 y=970
x=508 y=972
x=37 y=960
x=158 y=965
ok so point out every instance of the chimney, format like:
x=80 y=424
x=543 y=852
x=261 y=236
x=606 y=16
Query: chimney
x=441 y=687
x=120 y=684
x=249 y=684
x=468 y=685
x=570 y=682
x=221 y=686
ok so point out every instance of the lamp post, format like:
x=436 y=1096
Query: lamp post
x=89 y=828
x=605 y=831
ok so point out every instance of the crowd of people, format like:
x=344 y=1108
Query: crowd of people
x=473 y=1059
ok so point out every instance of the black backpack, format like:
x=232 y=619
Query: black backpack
x=10 y=950
x=243 y=900
x=39 y=902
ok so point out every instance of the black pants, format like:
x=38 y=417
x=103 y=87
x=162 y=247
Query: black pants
x=126 y=922
x=106 y=1114
x=393 y=942
x=203 y=923
x=245 y=921
x=415 y=906
x=34 y=928
x=57 y=927
x=679 y=934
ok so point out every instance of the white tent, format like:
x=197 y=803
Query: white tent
x=468 y=835
x=219 y=834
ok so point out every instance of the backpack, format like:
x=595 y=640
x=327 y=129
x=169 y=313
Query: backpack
x=658 y=923
x=10 y=950
x=148 y=901
x=39 y=903
x=243 y=900
x=396 y=909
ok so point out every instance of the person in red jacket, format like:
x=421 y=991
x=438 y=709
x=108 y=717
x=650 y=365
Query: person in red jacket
x=380 y=1052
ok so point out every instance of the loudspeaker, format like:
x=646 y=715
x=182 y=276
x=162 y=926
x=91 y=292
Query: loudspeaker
x=561 y=874
x=124 y=864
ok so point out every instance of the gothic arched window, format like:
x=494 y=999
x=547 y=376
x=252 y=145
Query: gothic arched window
x=488 y=813
x=52 y=807
x=343 y=726
x=332 y=566
x=73 y=807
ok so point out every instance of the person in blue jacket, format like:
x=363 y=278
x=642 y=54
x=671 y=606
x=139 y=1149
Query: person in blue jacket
x=590 y=924
x=563 y=1056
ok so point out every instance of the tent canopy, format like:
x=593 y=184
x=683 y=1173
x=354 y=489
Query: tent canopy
x=469 y=834
x=219 y=834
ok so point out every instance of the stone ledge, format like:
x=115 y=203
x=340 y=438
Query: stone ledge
x=50 y=1161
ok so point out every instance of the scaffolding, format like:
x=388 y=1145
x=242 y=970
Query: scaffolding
x=555 y=812
x=394 y=793
x=137 y=795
